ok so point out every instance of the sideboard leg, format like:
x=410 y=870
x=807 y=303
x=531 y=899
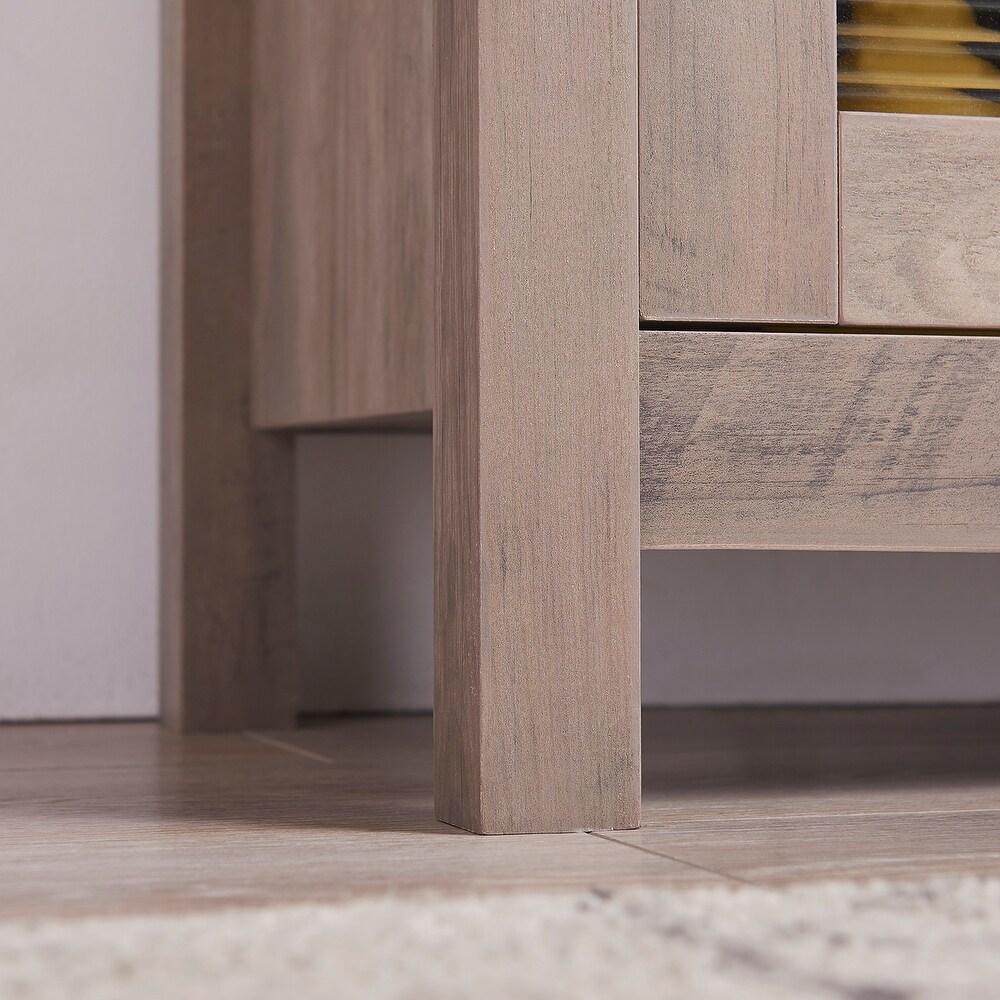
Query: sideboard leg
x=536 y=417
x=227 y=626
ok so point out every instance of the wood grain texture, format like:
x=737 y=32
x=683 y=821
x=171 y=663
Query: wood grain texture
x=920 y=220
x=536 y=437
x=820 y=441
x=738 y=149
x=227 y=620
x=343 y=210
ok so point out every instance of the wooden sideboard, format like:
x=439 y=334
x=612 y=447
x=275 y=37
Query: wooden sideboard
x=590 y=244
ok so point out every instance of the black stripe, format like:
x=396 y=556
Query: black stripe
x=987 y=51
x=845 y=11
x=984 y=95
x=986 y=13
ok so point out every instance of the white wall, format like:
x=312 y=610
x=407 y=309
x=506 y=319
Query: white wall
x=78 y=466
x=78 y=314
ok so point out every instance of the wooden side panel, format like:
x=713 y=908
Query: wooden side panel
x=227 y=628
x=536 y=431
x=343 y=210
x=738 y=152
x=920 y=220
x=820 y=441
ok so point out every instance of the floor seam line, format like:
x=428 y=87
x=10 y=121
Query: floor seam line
x=670 y=857
x=288 y=747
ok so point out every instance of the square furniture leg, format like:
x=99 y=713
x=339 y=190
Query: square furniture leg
x=227 y=622
x=536 y=417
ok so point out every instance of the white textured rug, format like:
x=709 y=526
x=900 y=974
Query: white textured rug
x=846 y=941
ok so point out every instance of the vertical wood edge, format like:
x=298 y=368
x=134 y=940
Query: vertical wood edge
x=840 y=221
x=170 y=351
x=227 y=533
x=457 y=579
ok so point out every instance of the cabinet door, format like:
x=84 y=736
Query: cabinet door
x=823 y=179
x=742 y=151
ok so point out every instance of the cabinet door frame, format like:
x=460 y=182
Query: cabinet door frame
x=738 y=161
x=760 y=203
x=863 y=228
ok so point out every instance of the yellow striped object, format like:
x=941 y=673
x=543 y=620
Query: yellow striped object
x=919 y=56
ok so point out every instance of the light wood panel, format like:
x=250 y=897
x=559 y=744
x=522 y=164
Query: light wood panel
x=820 y=441
x=227 y=620
x=343 y=210
x=738 y=150
x=536 y=438
x=920 y=220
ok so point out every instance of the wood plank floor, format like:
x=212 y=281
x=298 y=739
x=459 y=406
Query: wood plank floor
x=124 y=817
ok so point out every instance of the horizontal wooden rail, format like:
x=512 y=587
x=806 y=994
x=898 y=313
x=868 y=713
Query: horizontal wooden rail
x=820 y=441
